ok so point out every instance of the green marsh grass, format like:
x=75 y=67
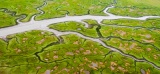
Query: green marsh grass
x=74 y=26
x=136 y=8
x=59 y=8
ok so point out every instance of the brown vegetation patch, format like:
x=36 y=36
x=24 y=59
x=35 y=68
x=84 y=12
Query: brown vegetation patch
x=24 y=39
x=86 y=72
x=133 y=45
x=17 y=50
x=148 y=41
x=55 y=57
x=149 y=49
x=87 y=52
x=122 y=33
x=70 y=53
x=41 y=41
x=38 y=67
x=113 y=65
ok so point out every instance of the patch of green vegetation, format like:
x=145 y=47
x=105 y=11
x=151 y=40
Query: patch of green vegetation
x=84 y=56
x=91 y=23
x=30 y=42
x=22 y=47
x=136 y=49
x=18 y=53
x=22 y=7
x=6 y=20
x=10 y=10
x=3 y=46
x=136 y=8
x=74 y=26
x=138 y=38
x=116 y=63
x=144 y=67
x=74 y=46
x=149 y=23
x=35 y=68
x=59 y=8
x=74 y=52
x=141 y=35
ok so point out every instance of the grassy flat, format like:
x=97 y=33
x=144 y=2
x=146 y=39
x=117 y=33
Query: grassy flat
x=142 y=35
x=136 y=8
x=59 y=8
x=84 y=56
x=135 y=37
x=144 y=67
x=136 y=49
x=3 y=46
x=75 y=27
x=20 y=49
x=15 y=9
x=30 y=42
x=6 y=20
x=91 y=23
x=22 y=7
x=149 y=23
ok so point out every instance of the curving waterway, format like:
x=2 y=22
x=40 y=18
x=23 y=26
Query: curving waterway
x=42 y=25
x=32 y=25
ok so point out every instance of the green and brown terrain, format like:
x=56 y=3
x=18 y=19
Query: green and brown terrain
x=79 y=37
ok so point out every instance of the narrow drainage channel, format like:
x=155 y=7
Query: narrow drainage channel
x=98 y=31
